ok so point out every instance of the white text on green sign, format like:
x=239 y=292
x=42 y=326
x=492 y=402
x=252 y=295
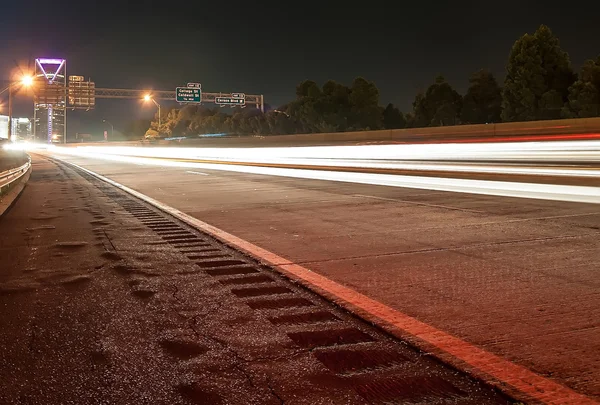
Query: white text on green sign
x=188 y=95
x=230 y=100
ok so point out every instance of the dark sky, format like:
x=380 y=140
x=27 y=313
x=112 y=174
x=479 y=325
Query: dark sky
x=260 y=47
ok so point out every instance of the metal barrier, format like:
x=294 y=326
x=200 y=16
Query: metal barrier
x=8 y=177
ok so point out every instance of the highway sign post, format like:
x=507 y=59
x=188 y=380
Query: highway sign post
x=194 y=85
x=230 y=101
x=238 y=95
x=188 y=95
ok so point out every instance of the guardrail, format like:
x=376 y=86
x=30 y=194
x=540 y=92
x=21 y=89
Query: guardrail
x=8 y=177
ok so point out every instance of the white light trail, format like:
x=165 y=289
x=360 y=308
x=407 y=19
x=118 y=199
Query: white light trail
x=463 y=158
x=497 y=188
x=531 y=152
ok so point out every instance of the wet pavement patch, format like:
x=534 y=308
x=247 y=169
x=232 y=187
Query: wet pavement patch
x=124 y=269
x=183 y=349
x=111 y=256
x=44 y=217
x=70 y=245
x=76 y=281
x=41 y=228
x=197 y=395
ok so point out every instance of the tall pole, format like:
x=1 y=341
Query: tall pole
x=10 y=112
x=158 y=105
x=66 y=103
x=112 y=127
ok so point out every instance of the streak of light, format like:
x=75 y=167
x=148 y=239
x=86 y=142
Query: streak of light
x=464 y=158
x=567 y=151
x=496 y=188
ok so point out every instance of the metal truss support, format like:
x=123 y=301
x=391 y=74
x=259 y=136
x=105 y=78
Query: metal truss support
x=251 y=99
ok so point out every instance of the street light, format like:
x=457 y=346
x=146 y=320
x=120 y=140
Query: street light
x=148 y=97
x=26 y=81
x=112 y=128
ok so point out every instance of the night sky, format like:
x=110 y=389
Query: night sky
x=268 y=47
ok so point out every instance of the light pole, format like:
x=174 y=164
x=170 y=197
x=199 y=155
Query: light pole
x=25 y=81
x=148 y=97
x=112 y=128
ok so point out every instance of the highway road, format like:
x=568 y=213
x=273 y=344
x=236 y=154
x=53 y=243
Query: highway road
x=107 y=300
x=517 y=277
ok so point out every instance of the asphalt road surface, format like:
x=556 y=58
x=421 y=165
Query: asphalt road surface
x=517 y=277
x=106 y=300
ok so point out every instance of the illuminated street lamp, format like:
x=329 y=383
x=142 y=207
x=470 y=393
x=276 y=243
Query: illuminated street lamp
x=148 y=97
x=25 y=81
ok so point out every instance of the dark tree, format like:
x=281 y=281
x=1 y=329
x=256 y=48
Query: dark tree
x=410 y=120
x=584 y=94
x=393 y=118
x=335 y=107
x=364 y=98
x=420 y=117
x=538 y=77
x=439 y=106
x=307 y=88
x=483 y=102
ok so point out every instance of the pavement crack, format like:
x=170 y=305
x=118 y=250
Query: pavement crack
x=274 y=393
x=246 y=374
x=455 y=249
x=109 y=241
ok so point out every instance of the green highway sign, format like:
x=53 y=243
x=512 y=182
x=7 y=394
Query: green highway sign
x=188 y=95
x=230 y=100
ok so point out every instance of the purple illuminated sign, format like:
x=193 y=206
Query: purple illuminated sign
x=50 y=61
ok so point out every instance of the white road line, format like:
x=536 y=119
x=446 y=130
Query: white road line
x=192 y=172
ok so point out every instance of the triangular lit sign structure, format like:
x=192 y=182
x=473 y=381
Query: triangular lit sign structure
x=47 y=65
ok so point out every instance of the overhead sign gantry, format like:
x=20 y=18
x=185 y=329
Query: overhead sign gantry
x=54 y=95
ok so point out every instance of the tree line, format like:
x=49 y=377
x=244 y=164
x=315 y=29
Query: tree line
x=540 y=84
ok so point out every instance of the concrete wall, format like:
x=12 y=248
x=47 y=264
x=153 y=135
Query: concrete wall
x=459 y=132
